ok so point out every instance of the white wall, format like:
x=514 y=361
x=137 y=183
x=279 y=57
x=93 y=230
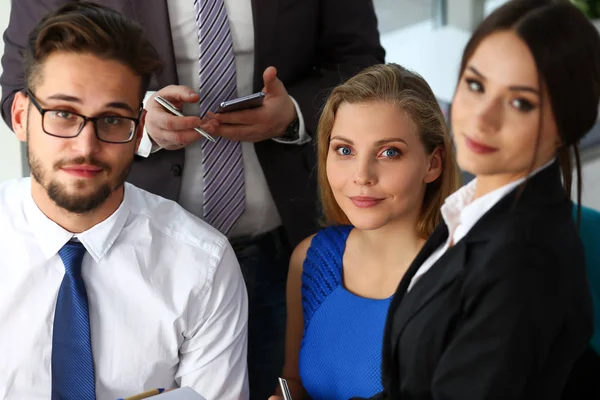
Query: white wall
x=10 y=149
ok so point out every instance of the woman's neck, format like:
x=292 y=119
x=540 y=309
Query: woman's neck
x=376 y=260
x=488 y=183
x=393 y=245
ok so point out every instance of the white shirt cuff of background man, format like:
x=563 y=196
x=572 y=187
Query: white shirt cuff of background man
x=147 y=147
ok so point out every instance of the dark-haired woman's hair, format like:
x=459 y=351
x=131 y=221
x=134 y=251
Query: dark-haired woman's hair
x=566 y=50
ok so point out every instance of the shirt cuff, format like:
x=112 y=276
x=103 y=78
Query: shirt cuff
x=146 y=146
x=303 y=136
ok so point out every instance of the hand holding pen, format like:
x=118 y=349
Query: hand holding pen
x=173 y=110
x=171 y=131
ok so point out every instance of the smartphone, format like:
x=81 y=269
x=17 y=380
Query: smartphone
x=285 y=390
x=173 y=110
x=243 y=103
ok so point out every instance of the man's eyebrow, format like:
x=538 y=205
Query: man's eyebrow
x=65 y=97
x=73 y=99
x=120 y=105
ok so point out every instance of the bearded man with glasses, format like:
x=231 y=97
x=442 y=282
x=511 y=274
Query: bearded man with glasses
x=106 y=290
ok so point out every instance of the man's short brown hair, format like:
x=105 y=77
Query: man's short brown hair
x=90 y=28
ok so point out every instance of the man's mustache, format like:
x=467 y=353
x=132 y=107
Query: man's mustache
x=81 y=161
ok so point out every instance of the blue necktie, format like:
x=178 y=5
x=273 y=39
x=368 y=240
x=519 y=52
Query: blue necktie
x=72 y=362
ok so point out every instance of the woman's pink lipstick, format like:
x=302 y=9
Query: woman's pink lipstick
x=365 y=201
x=479 y=148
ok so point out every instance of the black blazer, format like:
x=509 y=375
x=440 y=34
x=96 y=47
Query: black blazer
x=315 y=45
x=503 y=314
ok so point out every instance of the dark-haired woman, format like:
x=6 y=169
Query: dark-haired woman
x=496 y=305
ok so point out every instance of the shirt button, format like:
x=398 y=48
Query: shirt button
x=176 y=170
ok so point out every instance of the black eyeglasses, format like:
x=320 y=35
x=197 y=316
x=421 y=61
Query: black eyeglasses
x=68 y=124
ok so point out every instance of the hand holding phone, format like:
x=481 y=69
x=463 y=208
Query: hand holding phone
x=243 y=103
x=270 y=118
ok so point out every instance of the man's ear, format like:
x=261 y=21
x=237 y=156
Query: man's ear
x=19 y=112
x=436 y=165
x=139 y=133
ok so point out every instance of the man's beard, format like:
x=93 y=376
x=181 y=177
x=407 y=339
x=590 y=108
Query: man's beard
x=59 y=194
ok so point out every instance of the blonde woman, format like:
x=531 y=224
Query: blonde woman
x=386 y=164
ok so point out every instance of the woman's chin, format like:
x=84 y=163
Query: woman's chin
x=368 y=224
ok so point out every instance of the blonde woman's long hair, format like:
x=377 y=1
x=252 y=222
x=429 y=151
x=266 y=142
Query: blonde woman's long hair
x=408 y=91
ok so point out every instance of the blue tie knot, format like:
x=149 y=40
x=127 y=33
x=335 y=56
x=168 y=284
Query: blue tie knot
x=71 y=255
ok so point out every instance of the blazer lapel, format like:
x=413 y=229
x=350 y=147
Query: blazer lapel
x=442 y=274
x=264 y=17
x=448 y=269
x=437 y=238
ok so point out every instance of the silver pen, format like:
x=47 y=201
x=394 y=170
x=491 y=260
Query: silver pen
x=173 y=110
x=285 y=390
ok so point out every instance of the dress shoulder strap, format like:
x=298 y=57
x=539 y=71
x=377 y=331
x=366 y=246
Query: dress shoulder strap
x=322 y=268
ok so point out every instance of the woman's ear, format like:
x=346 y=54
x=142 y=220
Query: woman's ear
x=436 y=165
x=19 y=110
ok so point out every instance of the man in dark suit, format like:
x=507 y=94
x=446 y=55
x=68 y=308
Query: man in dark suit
x=315 y=45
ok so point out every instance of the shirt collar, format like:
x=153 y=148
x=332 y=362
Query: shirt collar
x=97 y=240
x=460 y=208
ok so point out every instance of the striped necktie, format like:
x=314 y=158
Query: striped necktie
x=222 y=161
x=72 y=361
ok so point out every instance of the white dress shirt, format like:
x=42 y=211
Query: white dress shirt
x=167 y=302
x=261 y=214
x=460 y=213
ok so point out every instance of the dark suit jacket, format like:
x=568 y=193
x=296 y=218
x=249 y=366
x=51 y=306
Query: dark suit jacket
x=503 y=314
x=315 y=45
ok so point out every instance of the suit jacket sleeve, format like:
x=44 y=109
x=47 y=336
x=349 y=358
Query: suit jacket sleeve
x=24 y=16
x=349 y=42
x=512 y=313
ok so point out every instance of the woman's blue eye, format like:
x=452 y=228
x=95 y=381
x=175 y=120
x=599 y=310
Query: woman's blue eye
x=343 y=151
x=390 y=153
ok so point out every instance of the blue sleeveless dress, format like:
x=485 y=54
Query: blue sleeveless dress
x=340 y=354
